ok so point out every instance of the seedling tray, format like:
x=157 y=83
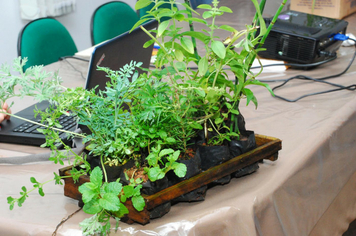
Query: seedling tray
x=267 y=148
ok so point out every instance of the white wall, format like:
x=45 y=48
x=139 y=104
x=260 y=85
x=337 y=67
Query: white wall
x=77 y=23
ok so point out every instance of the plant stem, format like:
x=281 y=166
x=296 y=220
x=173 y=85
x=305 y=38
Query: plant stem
x=191 y=28
x=154 y=39
x=104 y=170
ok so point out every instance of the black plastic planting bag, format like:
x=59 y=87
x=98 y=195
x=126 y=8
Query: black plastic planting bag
x=193 y=168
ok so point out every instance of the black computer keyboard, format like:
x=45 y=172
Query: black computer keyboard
x=67 y=122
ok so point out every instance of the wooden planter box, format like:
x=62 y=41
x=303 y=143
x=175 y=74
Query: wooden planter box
x=267 y=148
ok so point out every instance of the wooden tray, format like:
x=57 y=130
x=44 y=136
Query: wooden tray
x=267 y=148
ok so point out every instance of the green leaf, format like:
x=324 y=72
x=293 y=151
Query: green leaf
x=207 y=14
x=148 y=43
x=175 y=155
x=187 y=45
x=123 y=198
x=198 y=35
x=162 y=134
x=260 y=18
x=138 y=23
x=91 y=186
x=236 y=112
x=170 y=140
x=24 y=189
x=87 y=194
x=96 y=176
x=92 y=207
x=196 y=125
x=40 y=191
x=155 y=174
x=166 y=151
x=172 y=158
x=227 y=28
x=141 y=4
x=203 y=66
x=122 y=210
x=180 y=169
x=213 y=96
x=249 y=96
x=183 y=100
x=138 y=202
x=137 y=190
x=193 y=19
x=219 y=120
x=204 y=6
x=33 y=180
x=110 y=202
x=128 y=191
x=179 y=17
x=200 y=92
x=225 y=9
x=219 y=49
x=179 y=55
x=188 y=7
x=256 y=82
x=162 y=27
x=114 y=187
x=181 y=66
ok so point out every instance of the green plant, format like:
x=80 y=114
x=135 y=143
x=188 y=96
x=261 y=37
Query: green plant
x=158 y=168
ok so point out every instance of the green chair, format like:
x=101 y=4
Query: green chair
x=44 y=41
x=110 y=20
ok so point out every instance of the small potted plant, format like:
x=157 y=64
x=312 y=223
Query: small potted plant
x=158 y=119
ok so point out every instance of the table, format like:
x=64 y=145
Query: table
x=309 y=190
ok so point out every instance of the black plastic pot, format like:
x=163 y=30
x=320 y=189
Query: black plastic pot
x=150 y=188
x=246 y=143
x=212 y=156
x=112 y=172
x=216 y=155
x=193 y=168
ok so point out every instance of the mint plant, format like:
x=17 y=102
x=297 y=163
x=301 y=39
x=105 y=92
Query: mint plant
x=162 y=161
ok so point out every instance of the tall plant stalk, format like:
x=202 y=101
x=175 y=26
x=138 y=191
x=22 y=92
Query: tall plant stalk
x=260 y=44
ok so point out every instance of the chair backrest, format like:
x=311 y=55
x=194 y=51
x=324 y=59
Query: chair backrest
x=44 y=41
x=110 y=20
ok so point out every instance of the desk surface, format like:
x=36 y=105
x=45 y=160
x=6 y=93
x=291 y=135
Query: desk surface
x=309 y=190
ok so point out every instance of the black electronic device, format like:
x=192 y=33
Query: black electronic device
x=302 y=38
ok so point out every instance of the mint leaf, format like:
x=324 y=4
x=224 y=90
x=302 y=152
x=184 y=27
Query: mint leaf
x=128 y=191
x=180 y=169
x=138 y=202
x=92 y=207
x=96 y=176
x=110 y=202
x=114 y=188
